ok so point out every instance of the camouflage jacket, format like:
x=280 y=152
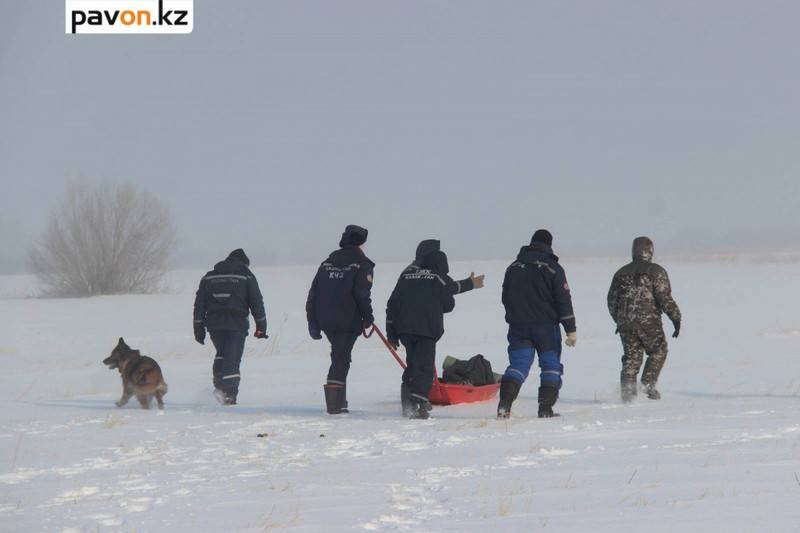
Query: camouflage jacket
x=640 y=291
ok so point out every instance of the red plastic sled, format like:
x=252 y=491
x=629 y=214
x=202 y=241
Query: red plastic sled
x=444 y=393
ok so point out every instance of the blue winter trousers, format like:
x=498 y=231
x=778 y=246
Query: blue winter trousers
x=526 y=341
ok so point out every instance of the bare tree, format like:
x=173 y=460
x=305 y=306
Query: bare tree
x=104 y=239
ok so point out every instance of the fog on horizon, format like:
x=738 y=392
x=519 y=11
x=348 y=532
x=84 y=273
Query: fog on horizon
x=275 y=124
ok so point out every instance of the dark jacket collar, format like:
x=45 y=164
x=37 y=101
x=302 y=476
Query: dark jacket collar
x=536 y=252
x=348 y=254
x=437 y=262
x=231 y=265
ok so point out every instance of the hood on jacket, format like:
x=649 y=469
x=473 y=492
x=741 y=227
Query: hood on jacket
x=239 y=255
x=542 y=236
x=436 y=261
x=353 y=236
x=642 y=249
x=535 y=252
x=425 y=248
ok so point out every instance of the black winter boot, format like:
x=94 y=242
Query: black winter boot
x=216 y=371
x=509 y=389
x=651 y=391
x=547 y=399
x=420 y=409
x=628 y=390
x=405 y=400
x=344 y=399
x=219 y=394
x=225 y=398
x=334 y=394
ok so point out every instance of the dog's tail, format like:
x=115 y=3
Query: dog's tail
x=148 y=377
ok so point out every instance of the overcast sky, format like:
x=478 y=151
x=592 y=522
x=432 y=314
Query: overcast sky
x=274 y=124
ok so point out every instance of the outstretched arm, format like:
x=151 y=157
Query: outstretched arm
x=466 y=284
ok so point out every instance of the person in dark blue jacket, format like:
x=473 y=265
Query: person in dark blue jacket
x=339 y=304
x=224 y=299
x=537 y=298
x=415 y=317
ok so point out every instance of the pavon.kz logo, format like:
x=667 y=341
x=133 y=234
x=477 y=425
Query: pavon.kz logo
x=129 y=16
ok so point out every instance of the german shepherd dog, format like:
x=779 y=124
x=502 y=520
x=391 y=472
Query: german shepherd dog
x=141 y=376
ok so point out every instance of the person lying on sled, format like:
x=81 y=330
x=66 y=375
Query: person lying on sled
x=415 y=317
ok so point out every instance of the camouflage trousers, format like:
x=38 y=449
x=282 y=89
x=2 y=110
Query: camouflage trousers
x=635 y=344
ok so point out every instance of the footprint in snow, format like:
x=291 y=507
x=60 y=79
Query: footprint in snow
x=556 y=452
x=522 y=460
x=136 y=505
x=444 y=473
x=107 y=520
x=71 y=496
x=412 y=446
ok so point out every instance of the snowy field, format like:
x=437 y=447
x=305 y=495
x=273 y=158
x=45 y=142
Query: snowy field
x=720 y=452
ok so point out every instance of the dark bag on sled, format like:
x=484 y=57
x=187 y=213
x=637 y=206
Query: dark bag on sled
x=477 y=371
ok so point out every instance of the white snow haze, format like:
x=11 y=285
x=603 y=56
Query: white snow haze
x=274 y=124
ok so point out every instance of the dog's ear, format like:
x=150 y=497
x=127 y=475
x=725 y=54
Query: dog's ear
x=122 y=342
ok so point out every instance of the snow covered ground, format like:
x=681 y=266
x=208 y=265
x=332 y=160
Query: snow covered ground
x=720 y=452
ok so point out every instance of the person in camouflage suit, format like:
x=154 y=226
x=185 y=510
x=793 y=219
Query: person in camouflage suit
x=639 y=294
